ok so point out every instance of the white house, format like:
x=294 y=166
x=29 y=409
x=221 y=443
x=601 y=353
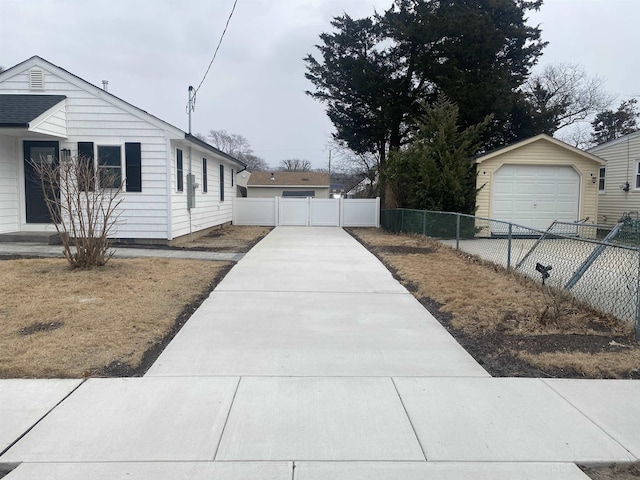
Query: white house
x=619 y=179
x=174 y=183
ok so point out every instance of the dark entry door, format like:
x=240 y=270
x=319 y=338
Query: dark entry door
x=37 y=152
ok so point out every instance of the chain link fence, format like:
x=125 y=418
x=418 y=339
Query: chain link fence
x=598 y=264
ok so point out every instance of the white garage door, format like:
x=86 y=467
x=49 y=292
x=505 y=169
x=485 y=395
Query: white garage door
x=535 y=195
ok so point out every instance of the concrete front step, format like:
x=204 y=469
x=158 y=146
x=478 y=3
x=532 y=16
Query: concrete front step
x=47 y=238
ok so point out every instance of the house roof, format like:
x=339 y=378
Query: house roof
x=122 y=103
x=538 y=138
x=624 y=138
x=211 y=148
x=18 y=110
x=288 y=179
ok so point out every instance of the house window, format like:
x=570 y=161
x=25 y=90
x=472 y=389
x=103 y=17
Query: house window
x=205 y=187
x=109 y=166
x=179 y=171
x=221 y=183
x=601 y=175
x=232 y=177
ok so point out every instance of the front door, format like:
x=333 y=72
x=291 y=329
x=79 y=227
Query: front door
x=37 y=152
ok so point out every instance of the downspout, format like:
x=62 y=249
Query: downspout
x=189 y=187
x=169 y=199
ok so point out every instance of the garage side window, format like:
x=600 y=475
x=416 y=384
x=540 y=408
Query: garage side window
x=601 y=175
x=637 y=174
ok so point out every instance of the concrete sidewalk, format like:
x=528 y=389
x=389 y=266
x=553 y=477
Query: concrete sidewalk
x=309 y=361
x=55 y=251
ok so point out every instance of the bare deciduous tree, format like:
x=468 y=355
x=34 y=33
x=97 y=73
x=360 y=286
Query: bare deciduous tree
x=362 y=165
x=237 y=146
x=83 y=205
x=295 y=165
x=566 y=93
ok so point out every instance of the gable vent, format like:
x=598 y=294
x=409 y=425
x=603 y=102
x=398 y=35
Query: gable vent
x=36 y=79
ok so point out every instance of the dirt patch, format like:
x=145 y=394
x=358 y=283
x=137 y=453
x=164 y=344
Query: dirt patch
x=613 y=472
x=40 y=327
x=511 y=325
x=230 y=238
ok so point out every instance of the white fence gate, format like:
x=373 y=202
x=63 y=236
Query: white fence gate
x=315 y=212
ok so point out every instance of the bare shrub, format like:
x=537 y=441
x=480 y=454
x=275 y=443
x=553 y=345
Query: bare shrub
x=83 y=207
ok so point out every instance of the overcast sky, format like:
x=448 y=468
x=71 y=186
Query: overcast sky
x=150 y=51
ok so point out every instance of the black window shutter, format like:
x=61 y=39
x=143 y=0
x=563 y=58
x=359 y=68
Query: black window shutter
x=221 y=183
x=205 y=180
x=85 y=156
x=133 y=162
x=180 y=180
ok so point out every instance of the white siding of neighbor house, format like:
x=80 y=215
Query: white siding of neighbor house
x=9 y=194
x=94 y=116
x=271 y=192
x=621 y=157
x=209 y=211
x=540 y=152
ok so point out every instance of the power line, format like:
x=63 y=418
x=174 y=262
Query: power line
x=218 y=47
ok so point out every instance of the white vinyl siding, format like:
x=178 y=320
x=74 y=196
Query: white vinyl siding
x=92 y=116
x=209 y=210
x=9 y=181
x=53 y=122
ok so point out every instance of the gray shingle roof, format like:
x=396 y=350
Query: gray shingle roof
x=19 y=110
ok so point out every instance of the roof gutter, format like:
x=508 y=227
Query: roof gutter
x=211 y=148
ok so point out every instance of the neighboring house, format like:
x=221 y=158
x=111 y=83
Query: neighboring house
x=46 y=112
x=619 y=179
x=288 y=184
x=537 y=181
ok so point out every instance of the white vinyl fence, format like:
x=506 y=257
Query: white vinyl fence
x=314 y=212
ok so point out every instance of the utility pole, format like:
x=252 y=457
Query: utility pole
x=191 y=105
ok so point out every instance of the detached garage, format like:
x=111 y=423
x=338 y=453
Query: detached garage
x=537 y=181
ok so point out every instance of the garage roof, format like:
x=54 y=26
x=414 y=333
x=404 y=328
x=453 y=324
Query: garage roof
x=539 y=138
x=289 y=179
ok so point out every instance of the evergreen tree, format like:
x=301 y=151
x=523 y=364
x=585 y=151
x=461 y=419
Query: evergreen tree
x=609 y=125
x=375 y=72
x=436 y=171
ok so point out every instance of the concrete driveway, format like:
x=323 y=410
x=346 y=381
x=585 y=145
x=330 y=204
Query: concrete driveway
x=309 y=361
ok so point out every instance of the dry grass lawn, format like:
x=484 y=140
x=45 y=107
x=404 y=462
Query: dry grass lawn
x=547 y=329
x=111 y=321
x=58 y=322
